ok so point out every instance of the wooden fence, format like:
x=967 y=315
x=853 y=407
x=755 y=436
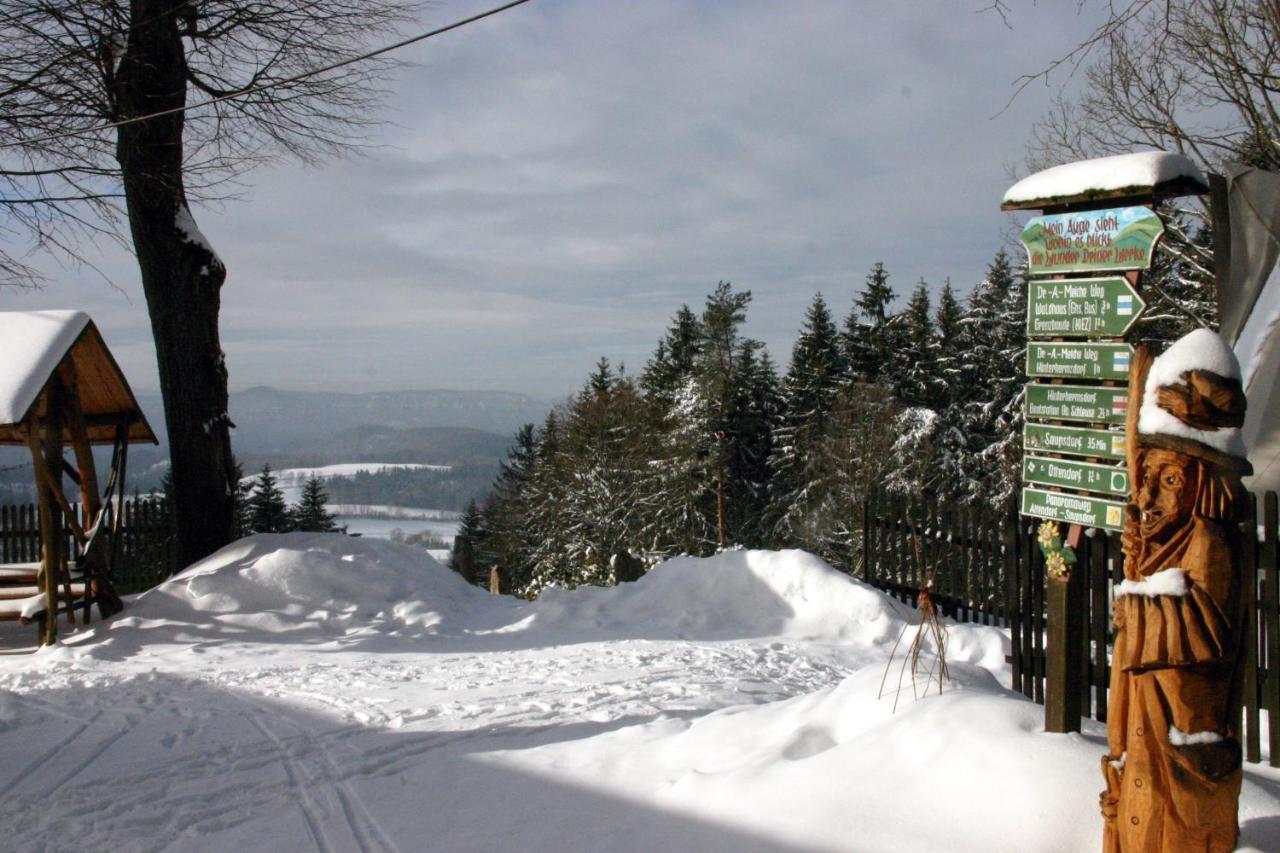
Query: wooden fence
x=987 y=568
x=144 y=557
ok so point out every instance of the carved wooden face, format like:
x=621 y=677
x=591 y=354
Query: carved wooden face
x=1167 y=493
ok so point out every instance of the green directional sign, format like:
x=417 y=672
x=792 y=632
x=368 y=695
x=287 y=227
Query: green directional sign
x=1076 y=441
x=1078 y=360
x=1082 y=308
x=1118 y=238
x=1073 y=509
x=1084 y=403
x=1070 y=474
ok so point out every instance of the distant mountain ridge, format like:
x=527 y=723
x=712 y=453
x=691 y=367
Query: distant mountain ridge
x=472 y=429
x=273 y=421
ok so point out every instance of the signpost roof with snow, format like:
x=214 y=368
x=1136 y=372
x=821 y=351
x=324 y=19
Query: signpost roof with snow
x=34 y=346
x=1146 y=175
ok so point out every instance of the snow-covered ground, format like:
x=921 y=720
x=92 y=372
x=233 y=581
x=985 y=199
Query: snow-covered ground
x=311 y=691
x=382 y=521
x=383 y=528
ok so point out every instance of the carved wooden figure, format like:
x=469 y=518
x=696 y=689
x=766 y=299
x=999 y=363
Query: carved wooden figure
x=1173 y=769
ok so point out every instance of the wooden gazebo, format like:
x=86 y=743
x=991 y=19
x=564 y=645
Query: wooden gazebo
x=60 y=388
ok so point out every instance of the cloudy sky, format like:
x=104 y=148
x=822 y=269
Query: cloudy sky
x=559 y=179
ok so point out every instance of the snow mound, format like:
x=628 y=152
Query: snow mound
x=373 y=595
x=1130 y=174
x=309 y=587
x=974 y=757
x=733 y=594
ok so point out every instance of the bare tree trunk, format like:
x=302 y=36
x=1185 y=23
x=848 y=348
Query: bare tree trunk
x=181 y=277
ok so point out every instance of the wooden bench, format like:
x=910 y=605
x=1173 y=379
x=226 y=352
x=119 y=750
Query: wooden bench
x=22 y=599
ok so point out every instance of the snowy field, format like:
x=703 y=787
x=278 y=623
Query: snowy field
x=291 y=480
x=382 y=528
x=320 y=692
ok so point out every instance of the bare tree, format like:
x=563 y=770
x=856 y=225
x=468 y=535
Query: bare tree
x=1201 y=77
x=124 y=111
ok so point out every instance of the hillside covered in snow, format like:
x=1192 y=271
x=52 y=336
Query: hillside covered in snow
x=311 y=691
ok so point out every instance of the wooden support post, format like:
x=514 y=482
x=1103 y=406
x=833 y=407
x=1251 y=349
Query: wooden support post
x=44 y=436
x=1064 y=669
x=79 y=432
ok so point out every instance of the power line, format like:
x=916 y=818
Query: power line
x=273 y=84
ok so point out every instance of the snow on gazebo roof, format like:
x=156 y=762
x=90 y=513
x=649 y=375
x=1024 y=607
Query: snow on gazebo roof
x=1150 y=174
x=33 y=344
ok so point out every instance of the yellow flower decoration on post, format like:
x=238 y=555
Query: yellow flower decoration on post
x=1058 y=558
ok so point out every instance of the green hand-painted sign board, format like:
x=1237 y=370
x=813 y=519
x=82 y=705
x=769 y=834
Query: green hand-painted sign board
x=1082 y=308
x=1078 y=361
x=1075 y=441
x=1083 y=403
x=1069 y=474
x=1073 y=509
x=1118 y=238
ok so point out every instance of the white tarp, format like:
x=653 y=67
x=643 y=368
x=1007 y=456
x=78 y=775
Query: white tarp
x=32 y=343
x=1250 y=313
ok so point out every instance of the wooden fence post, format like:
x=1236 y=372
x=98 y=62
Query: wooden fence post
x=1064 y=672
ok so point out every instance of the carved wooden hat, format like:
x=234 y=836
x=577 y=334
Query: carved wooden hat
x=1193 y=402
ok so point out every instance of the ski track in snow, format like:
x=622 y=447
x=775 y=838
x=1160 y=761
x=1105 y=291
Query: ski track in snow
x=440 y=701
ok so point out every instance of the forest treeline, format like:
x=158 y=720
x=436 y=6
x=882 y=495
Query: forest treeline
x=710 y=447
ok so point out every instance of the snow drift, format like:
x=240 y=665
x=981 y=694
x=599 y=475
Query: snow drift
x=327 y=588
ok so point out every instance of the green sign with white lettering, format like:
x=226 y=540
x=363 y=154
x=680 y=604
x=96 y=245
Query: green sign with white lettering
x=1073 y=509
x=1082 y=308
x=1084 y=403
x=1069 y=474
x=1118 y=238
x=1075 y=441
x=1078 y=360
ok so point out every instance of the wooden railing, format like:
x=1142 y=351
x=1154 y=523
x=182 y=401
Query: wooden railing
x=144 y=554
x=987 y=568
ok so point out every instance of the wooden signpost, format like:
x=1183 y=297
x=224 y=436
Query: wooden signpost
x=1082 y=300
x=1086 y=360
x=1082 y=308
x=1093 y=404
x=1068 y=474
x=1172 y=484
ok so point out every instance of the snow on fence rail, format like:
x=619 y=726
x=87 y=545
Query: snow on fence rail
x=989 y=569
x=145 y=557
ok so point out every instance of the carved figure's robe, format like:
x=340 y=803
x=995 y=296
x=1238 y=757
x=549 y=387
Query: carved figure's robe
x=1173 y=773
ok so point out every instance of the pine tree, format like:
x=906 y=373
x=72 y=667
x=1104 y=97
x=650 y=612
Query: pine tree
x=985 y=458
x=948 y=328
x=758 y=405
x=673 y=362
x=677 y=506
x=719 y=375
x=311 y=513
x=268 y=512
x=867 y=339
x=808 y=394
x=912 y=362
x=508 y=542
x=547 y=489
x=241 y=516
x=462 y=557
